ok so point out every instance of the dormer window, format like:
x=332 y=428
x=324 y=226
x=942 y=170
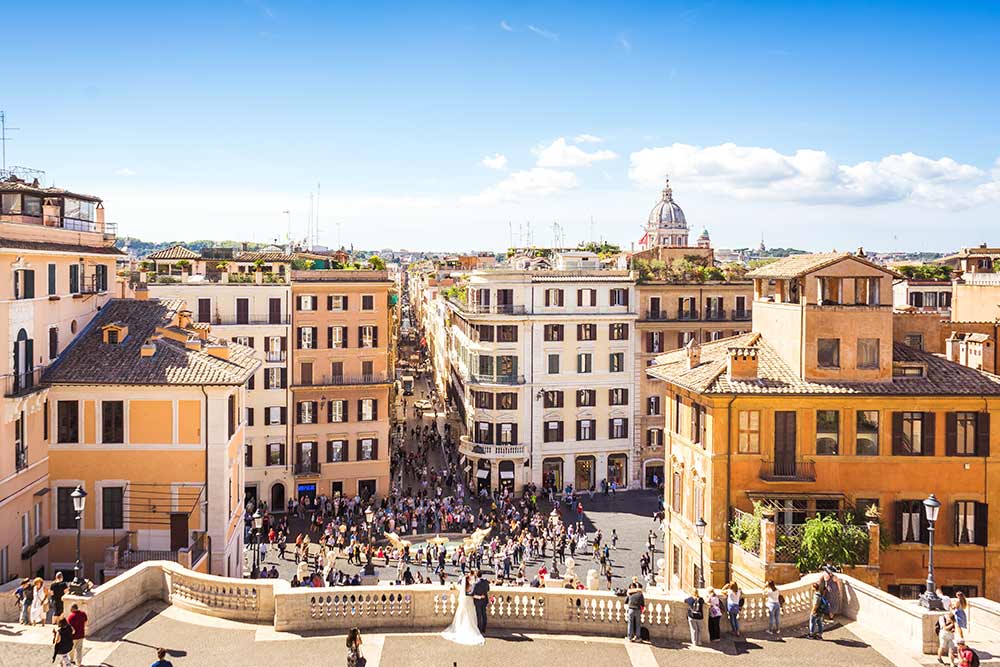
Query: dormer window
x=114 y=333
x=902 y=370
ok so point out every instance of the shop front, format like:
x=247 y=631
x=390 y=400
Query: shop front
x=585 y=473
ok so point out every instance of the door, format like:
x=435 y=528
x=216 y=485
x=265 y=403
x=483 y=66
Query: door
x=336 y=489
x=278 y=498
x=307 y=373
x=654 y=308
x=243 y=311
x=784 y=444
x=205 y=310
x=585 y=473
x=307 y=491
x=274 y=310
x=366 y=488
x=178 y=531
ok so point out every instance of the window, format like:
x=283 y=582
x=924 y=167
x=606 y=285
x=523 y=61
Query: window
x=910 y=521
x=306 y=412
x=367 y=449
x=586 y=297
x=32 y=205
x=74 y=283
x=337 y=411
x=247 y=455
x=506 y=434
x=65 y=515
x=586 y=398
x=699 y=500
x=616 y=362
x=962 y=439
x=273 y=377
x=868 y=352
x=553 y=431
x=676 y=492
x=654 y=341
x=584 y=362
x=678 y=565
x=368 y=410
x=336 y=451
x=677 y=413
x=483 y=400
x=336 y=302
x=553 y=297
x=618 y=331
x=913 y=433
x=338 y=337
x=113 y=421
x=507 y=400
x=507 y=367
x=24 y=284
x=915 y=341
x=20 y=444
x=485 y=365
x=867 y=433
x=553 y=333
x=484 y=433
x=553 y=364
x=232 y=414
x=828 y=352
x=698 y=424
x=5 y=563
x=275 y=454
x=654 y=438
x=749 y=432
x=585 y=429
x=617 y=428
x=367 y=336
x=618 y=296
x=52 y=279
x=367 y=368
x=10 y=204
x=828 y=432
x=112 y=508
x=553 y=399
x=485 y=332
x=25 y=530
x=307 y=302
x=970 y=522
x=618 y=396
x=653 y=405
x=368 y=302
x=68 y=421
x=506 y=333
x=586 y=332
x=307 y=338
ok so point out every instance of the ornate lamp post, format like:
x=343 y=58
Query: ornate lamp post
x=699 y=529
x=258 y=524
x=930 y=598
x=79 y=497
x=369 y=522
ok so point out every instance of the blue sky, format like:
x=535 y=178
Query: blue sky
x=433 y=125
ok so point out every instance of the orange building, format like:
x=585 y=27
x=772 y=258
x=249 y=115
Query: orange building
x=342 y=377
x=57 y=269
x=817 y=411
x=146 y=416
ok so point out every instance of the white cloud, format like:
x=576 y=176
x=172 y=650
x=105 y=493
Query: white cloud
x=124 y=172
x=542 y=32
x=561 y=154
x=623 y=42
x=587 y=139
x=811 y=176
x=495 y=161
x=506 y=26
x=536 y=182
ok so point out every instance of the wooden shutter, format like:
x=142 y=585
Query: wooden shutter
x=329 y=302
x=547 y=294
x=680 y=306
x=343 y=337
x=343 y=302
x=982 y=439
x=374 y=449
x=611 y=428
x=358 y=458
x=625 y=299
x=955 y=535
x=267 y=380
x=284 y=378
x=513 y=434
x=284 y=414
x=950 y=433
x=298 y=413
x=375 y=409
x=561 y=294
x=897 y=436
x=899 y=518
x=284 y=344
x=930 y=433
x=360 y=335
x=329 y=336
x=579 y=429
x=267 y=343
x=29 y=284
x=579 y=297
x=982 y=523
x=560 y=430
x=250 y=414
x=374 y=336
x=298 y=338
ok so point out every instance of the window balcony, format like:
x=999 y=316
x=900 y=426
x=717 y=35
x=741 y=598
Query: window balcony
x=507 y=380
x=303 y=468
x=787 y=471
x=22 y=384
x=488 y=309
x=490 y=451
x=742 y=315
x=274 y=356
x=715 y=315
x=345 y=380
x=687 y=315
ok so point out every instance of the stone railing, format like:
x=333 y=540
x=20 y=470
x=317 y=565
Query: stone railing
x=234 y=599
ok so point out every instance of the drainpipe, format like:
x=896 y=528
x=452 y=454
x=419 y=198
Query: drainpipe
x=729 y=485
x=208 y=534
x=530 y=326
x=802 y=329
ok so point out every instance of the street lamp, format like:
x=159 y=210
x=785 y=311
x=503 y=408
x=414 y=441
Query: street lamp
x=369 y=520
x=79 y=497
x=699 y=529
x=258 y=524
x=930 y=598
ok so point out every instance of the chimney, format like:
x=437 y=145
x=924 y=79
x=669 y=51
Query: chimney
x=141 y=293
x=193 y=343
x=693 y=353
x=861 y=251
x=219 y=350
x=184 y=319
x=742 y=363
x=148 y=348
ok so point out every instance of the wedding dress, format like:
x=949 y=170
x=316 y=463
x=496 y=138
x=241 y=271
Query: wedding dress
x=464 y=629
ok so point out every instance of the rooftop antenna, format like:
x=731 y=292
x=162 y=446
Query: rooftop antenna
x=4 y=139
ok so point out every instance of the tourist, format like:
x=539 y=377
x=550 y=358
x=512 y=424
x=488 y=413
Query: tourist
x=78 y=621
x=39 y=602
x=773 y=604
x=57 y=590
x=734 y=602
x=696 y=616
x=714 y=616
x=614 y=539
x=818 y=610
x=832 y=592
x=635 y=601
x=62 y=642
x=960 y=606
x=354 y=656
x=25 y=595
x=966 y=656
x=946 y=638
x=161 y=659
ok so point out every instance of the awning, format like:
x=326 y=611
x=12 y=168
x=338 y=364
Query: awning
x=482 y=474
x=506 y=474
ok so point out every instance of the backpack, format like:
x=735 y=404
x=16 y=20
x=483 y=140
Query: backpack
x=696 y=611
x=823 y=606
x=974 y=660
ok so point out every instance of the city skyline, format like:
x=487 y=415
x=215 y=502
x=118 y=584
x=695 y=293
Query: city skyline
x=778 y=121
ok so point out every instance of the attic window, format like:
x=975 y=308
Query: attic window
x=909 y=371
x=114 y=333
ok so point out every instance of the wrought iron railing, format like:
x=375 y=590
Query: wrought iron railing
x=783 y=470
x=20 y=384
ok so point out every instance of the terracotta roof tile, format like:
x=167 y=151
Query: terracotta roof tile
x=794 y=266
x=174 y=252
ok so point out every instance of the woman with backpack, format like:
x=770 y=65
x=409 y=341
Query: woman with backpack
x=714 y=616
x=773 y=604
x=696 y=614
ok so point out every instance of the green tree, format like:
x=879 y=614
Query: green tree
x=376 y=263
x=826 y=539
x=925 y=271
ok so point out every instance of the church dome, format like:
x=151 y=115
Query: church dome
x=667 y=213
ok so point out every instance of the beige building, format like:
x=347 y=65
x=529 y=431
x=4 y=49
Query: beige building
x=57 y=263
x=541 y=367
x=342 y=376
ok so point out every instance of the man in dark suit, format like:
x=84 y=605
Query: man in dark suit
x=481 y=598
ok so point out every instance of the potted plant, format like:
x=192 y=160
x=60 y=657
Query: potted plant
x=223 y=268
x=258 y=269
x=185 y=267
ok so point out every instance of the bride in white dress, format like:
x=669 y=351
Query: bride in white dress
x=464 y=629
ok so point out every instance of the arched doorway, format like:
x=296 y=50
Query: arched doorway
x=507 y=476
x=278 y=497
x=585 y=473
x=552 y=474
x=653 y=474
x=618 y=469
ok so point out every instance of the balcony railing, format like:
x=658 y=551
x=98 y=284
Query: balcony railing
x=232 y=320
x=715 y=315
x=344 y=380
x=496 y=379
x=275 y=355
x=687 y=315
x=22 y=384
x=307 y=468
x=742 y=315
x=483 y=450
x=488 y=309
x=787 y=471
